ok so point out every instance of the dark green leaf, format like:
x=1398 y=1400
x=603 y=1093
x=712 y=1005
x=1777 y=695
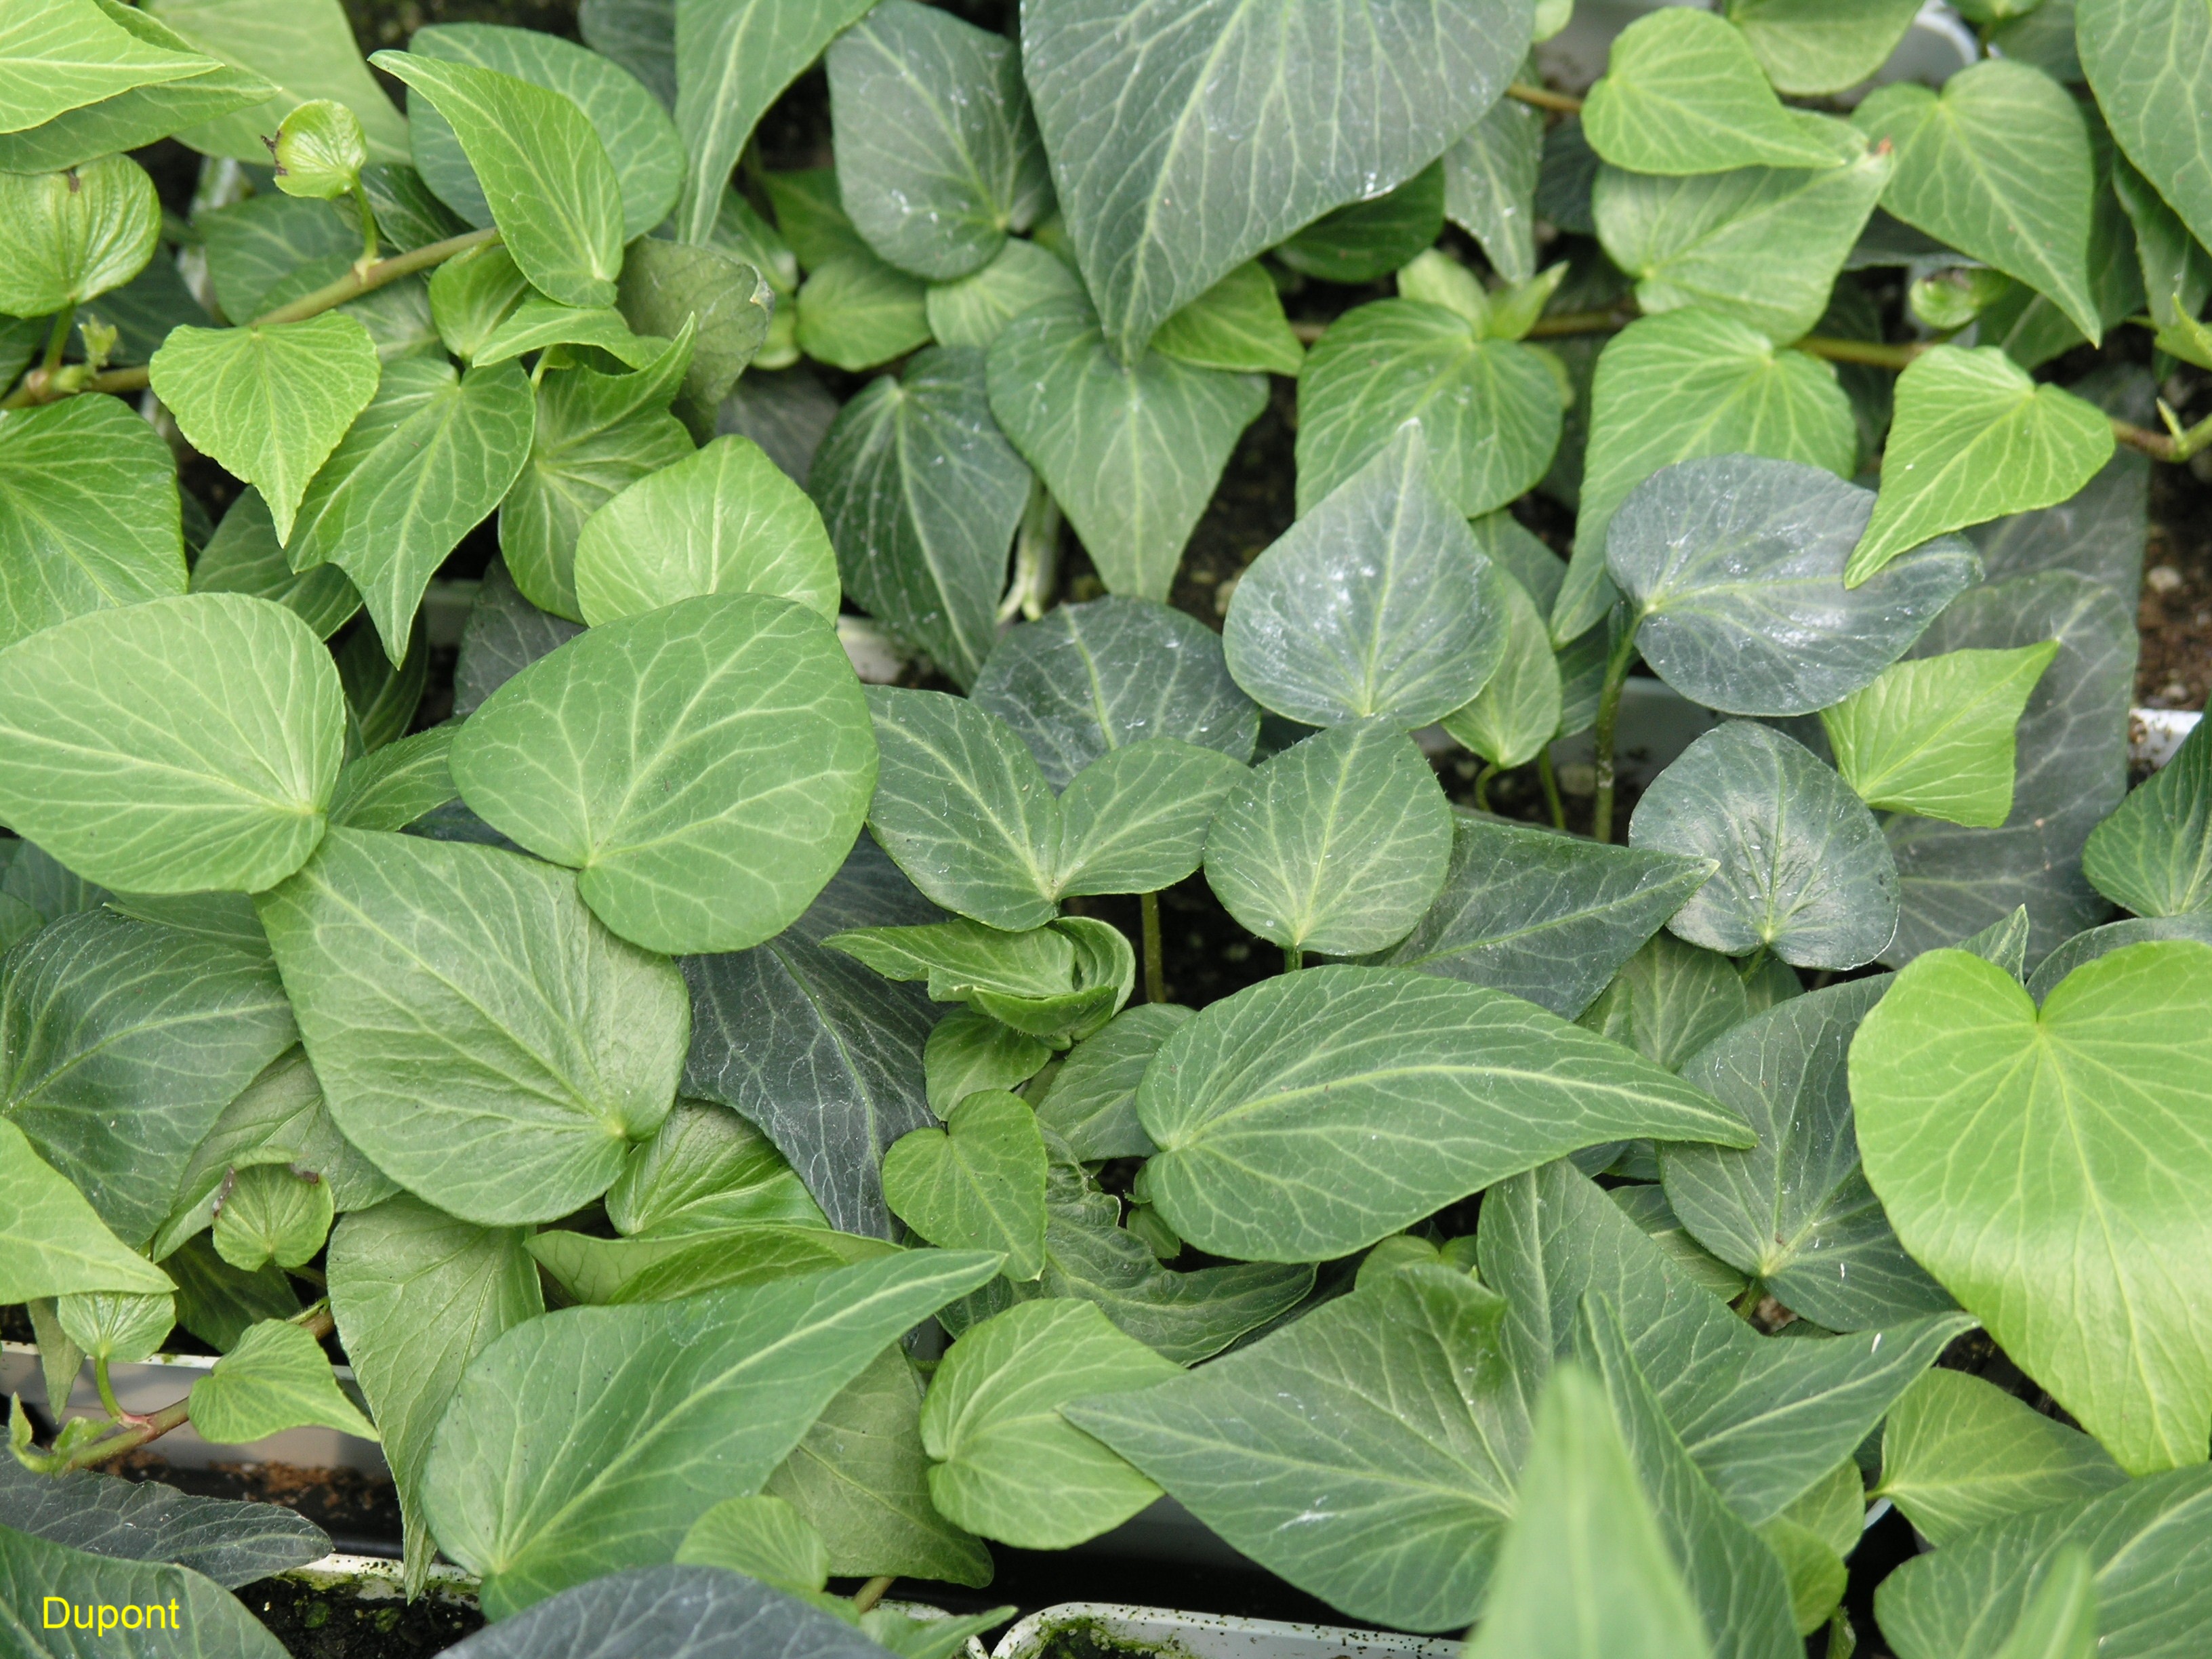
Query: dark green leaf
x=1364 y=241
x=232 y=1543
x=2153 y=855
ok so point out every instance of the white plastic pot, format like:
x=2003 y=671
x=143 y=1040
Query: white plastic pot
x=1215 y=1635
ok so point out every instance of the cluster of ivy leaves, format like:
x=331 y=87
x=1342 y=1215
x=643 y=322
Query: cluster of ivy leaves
x=625 y=1069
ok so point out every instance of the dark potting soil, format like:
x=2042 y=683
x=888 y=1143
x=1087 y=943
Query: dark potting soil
x=2175 y=612
x=360 y=1510
x=350 y=1623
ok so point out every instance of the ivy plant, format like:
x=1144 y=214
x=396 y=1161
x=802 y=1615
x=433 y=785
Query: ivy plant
x=466 y=920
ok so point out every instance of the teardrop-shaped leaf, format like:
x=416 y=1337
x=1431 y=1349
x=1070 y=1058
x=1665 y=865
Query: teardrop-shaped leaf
x=1164 y=196
x=1335 y=845
x=1436 y=1088
x=1518 y=712
x=268 y=403
x=1935 y=737
x=277 y=1377
x=976 y=1184
x=1546 y=916
x=1136 y=821
x=1489 y=185
x=1683 y=94
x=87 y=513
x=74 y=235
x=1975 y=439
x=2153 y=855
x=545 y=175
x=1735 y=567
x=2138 y=56
x=1997 y=165
x=704 y=1398
x=423 y=464
x=1132 y=453
x=172 y=746
x=1376 y=602
x=1090 y=678
x=937 y=156
x=705 y=766
x=438 y=984
x=1804 y=871
x=1968 y=1097
x=1808 y=48
x=1490 y=409
x=1670 y=999
x=921 y=496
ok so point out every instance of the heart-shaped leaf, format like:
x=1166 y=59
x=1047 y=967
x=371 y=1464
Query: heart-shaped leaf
x=74 y=235
x=1335 y=845
x=2153 y=855
x=976 y=1184
x=1136 y=821
x=1975 y=439
x=1132 y=453
x=1968 y=1097
x=856 y=312
x=1808 y=49
x=276 y=1378
x=1934 y=736
x=976 y=310
x=1683 y=94
x=1442 y=1087
x=1490 y=409
x=1997 y=165
x=270 y=403
x=1159 y=194
x=1804 y=871
x=273 y=1215
x=1376 y=602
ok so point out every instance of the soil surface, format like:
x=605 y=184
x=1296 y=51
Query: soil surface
x=375 y=1623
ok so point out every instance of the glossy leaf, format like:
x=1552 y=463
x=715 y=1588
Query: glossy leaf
x=441 y=984
x=974 y=310
x=211 y=1623
x=273 y=1215
x=1804 y=871
x=1429 y=1088
x=1489 y=185
x=706 y=1169
x=276 y=1378
x=2153 y=855
x=1166 y=195
x=1968 y=1097
x=1132 y=453
x=1934 y=736
x=1518 y=712
x=74 y=235
x=1375 y=603
x=233 y=1543
x=976 y=1184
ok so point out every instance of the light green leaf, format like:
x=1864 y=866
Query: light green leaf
x=977 y=1184
x=472 y=295
x=425 y=463
x=1934 y=736
x=615 y=1270
x=269 y=403
x=1375 y=603
x=74 y=235
x=969 y=1051
x=1365 y=241
x=703 y=1398
x=1091 y=1105
x=975 y=309
x=1997 y=166
x=1090 y=678
x=706 y=1169
x=1960 y=1453
x=1166 y=194
x=390 y=787
x=245 y=557
x=1059 y=982
x=1131 y=453
x=172 y=745
x=1670 y=999
x=666 y=284
x=1811 y=48
x=761 y=1537
x=272 y=1214
x=1489 y=185
x=2112 y=936
x=1431 y=1088
x=87 y=513
x=1682 y=386
x=1762 y=244
x=1968 y=1097
x=1683 y=94
x=275 y=1378
x=963 y=808
x=1545 y=916
x=306 y=48
x=1804 y=871
x=937 y=156
x=596 y=434
x=1236 y=324
x=1136 y=820
x=441 y=984
x=855 y=312
x=1795 y=1211
x=210 y=1624
x=67 y=55
x=733 y=60
x=1518 y=712
x=2153 y=855
x=544 y=172
x=319 y=151
x=1489 y=409
x=2146 y=59
x=921 y=496
x=1975 y=439
x=639 y=138
x=52 y=1243
x=538 y=324
x=991 y=1424
x=1392 y=1401
x=2060 y=1622
x=2152 y=1596
x=860 y=1477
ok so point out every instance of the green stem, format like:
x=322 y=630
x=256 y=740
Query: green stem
x=367 y=226
x=1482 y=786
x=1550 y=778
x=1294 y=957
x=358 y=282
x=1608 y=719
x=1753 y=962
x=1036 y=557
x=1544 y=98
x=1156 y=972
x=106 y=1388
x=871 y=1593
x=1873 y=352
x=58 y=341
